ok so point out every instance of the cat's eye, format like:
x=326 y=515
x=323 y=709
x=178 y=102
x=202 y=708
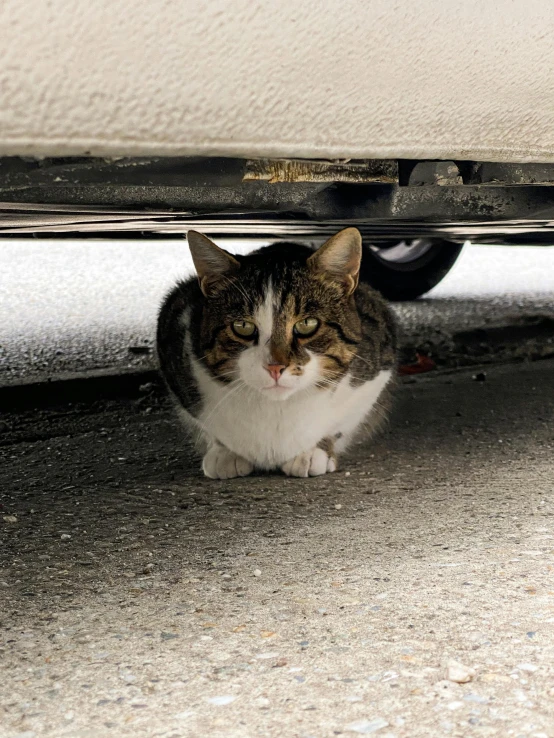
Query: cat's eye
x=244 y=328
x=306 y=327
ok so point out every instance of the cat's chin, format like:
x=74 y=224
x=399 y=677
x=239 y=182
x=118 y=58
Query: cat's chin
x=277 y=393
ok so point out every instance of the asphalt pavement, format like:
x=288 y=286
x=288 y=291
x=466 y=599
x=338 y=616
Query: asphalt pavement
x=408 y=595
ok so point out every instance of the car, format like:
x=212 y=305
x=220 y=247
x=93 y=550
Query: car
x=424 y=124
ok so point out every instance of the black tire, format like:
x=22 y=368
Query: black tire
x=411 y=277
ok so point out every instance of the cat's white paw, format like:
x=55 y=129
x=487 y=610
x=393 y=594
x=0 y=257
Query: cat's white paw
x=220 y=463
x=310 y=464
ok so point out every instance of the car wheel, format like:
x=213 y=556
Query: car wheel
x=409 y=268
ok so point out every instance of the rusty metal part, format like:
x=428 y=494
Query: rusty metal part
x=511 y=174
x=303 y=170
x=439 y=173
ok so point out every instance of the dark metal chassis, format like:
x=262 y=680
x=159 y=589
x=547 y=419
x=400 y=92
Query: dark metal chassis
x=387 y=199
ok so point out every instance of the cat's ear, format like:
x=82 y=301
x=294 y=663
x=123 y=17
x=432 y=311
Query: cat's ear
x=212 y=263
x=339 y=258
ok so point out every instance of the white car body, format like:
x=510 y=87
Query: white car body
x=359 y=79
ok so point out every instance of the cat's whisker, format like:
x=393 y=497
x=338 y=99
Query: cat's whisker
x=323 y=382
x=221 y=374
x=326 y=380
x=361 y=358
x=382 y=407
x=202 y=424
x=380 y=410
x=230 y=392
x=227 y=374
x=225 y=398
x=243 y=292
x=239 y=288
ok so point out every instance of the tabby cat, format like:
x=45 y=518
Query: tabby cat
x=276 y=359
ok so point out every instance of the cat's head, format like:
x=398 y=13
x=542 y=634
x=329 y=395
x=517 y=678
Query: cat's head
x=281 y=320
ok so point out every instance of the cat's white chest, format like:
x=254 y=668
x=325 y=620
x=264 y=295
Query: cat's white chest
x=269 y=433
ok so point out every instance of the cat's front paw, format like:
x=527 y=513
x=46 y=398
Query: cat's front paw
x=310 y=464
x=220 y=463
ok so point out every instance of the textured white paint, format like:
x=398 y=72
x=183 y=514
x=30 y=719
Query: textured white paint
x=356 y=78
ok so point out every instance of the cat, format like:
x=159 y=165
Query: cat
x=276 y=359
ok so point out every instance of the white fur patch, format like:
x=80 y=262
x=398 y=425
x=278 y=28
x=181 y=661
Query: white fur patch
x=268 y=433
x=264 y=314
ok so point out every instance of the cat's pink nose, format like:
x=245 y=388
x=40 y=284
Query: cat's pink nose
x=275 y=370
